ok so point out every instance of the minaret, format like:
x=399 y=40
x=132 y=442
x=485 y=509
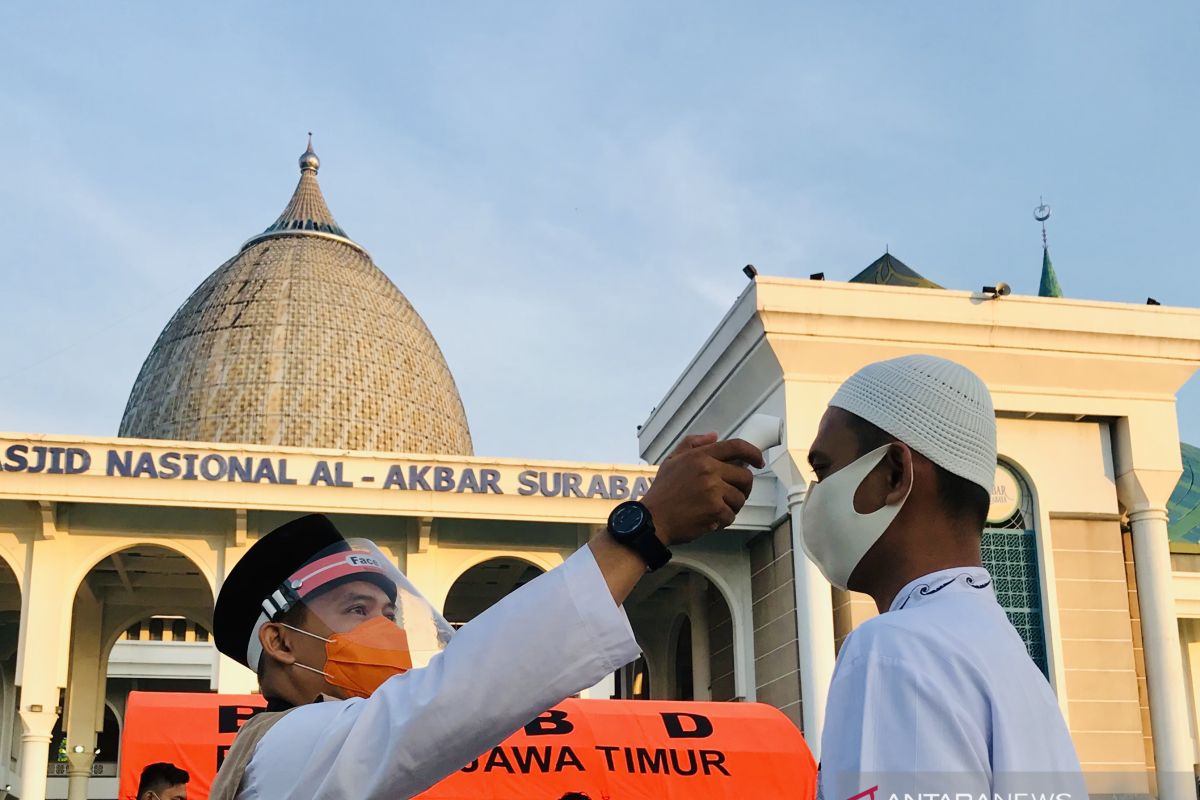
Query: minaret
x=1049 y=284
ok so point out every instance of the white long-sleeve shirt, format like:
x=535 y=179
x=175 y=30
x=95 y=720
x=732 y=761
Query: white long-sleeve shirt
x=556 y=636
x=939 y=696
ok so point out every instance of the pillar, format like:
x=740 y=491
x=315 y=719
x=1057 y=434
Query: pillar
x=1164 y=669
x=79 y=771
x=85 y=691
x=701 y=646
x=814 y=612
x=37 y=728
x=42 y=652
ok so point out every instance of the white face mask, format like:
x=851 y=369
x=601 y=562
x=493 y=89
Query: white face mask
x=834 y=535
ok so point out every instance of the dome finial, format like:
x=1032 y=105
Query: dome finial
x=309 y=160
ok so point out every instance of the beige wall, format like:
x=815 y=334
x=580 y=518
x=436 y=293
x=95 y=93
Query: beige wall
x=776 y=657
x=1105 y=693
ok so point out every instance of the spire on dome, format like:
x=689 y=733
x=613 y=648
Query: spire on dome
x=306 y=211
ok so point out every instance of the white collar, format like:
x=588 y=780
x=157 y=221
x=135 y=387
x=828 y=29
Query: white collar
x=927 y=588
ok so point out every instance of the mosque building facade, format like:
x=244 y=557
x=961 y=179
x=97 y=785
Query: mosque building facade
x=297 y=378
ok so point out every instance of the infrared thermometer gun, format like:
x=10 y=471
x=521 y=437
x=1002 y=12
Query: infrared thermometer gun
x=762 y=430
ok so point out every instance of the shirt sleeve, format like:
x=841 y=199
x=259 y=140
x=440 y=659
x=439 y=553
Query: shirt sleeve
x=892 y=729
x=556 y=636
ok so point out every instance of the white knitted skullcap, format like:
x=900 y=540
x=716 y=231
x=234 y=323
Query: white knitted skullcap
x=938 y=408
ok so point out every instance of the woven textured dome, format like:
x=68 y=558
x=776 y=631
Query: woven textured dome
x=299 y=340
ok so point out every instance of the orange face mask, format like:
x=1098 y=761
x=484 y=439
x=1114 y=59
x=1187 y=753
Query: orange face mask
x=361 y=659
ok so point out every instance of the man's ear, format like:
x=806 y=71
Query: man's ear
x=274 y=640
x=899 y=461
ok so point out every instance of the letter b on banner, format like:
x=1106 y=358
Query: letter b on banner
x=552 y=723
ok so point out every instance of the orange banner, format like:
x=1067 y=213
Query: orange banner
x=604 y=749
x=193 y=731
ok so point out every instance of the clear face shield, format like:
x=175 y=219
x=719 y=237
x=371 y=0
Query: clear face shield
x=372 y=622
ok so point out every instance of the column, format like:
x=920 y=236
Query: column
x=814 y=612
x=85 y=687
x=1164 y=669
x=37 y=727
x=42 y=653
x=79 y=771
x=701 y=647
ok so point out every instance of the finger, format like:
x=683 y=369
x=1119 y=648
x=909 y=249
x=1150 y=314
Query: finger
x=692 y=442
x=725 y=518
x=737 y=476
x=735 y=450
x=734 y=499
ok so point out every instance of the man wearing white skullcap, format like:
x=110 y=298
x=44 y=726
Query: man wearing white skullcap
x=938 y=693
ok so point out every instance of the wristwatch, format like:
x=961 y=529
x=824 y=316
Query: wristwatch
x=631 y=525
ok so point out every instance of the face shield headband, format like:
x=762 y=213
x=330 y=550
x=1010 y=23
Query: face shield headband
x=309 y=579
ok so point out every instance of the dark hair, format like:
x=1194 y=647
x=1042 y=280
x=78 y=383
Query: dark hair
x=574 y=796
x=163 y=775
x=960 y=498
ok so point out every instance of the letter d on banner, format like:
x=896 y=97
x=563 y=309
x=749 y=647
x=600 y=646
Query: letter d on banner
x=701 y=726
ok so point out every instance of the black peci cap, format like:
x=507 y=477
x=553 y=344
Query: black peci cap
x=267 y=564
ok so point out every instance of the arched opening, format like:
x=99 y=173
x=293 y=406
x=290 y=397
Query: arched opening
x=140 y=622
x=1010 y=554
x=483 y=585
x=684 y=624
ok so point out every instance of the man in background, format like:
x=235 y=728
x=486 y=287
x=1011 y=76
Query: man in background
x=162 y=781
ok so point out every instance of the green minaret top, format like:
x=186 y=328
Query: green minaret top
x=1049 y=284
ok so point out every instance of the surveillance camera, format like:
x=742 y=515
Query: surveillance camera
x=1003 y=289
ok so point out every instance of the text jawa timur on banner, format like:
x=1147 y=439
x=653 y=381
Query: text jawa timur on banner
x=607 y=749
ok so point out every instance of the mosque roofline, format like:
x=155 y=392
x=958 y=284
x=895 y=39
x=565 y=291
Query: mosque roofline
x=803 y=321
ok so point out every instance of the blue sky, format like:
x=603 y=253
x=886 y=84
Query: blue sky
x=567 y=191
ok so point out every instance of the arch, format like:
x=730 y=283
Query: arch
x=543 y=561
x=460 y=609
x=107 y=547
x=742 y=620
x=10 y=560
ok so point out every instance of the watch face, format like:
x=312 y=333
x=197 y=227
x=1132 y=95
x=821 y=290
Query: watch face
x=627 y=519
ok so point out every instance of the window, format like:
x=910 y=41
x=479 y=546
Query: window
x=1010 y=555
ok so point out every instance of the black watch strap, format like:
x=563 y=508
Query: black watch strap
x=641 y=540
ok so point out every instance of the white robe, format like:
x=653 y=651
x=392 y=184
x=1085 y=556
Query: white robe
x=554 y=637
x=939 y=696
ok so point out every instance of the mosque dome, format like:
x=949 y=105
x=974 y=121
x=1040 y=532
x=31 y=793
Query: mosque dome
x=299 y=340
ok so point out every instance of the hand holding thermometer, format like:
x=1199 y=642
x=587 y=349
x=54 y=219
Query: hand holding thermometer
x=761 y=430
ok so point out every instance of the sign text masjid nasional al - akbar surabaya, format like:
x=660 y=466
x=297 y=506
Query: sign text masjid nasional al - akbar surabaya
x=412 y=476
